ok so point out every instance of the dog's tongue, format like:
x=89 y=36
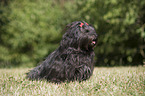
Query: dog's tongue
x=94 y=42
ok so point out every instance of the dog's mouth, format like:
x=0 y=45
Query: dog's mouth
x=93 y=42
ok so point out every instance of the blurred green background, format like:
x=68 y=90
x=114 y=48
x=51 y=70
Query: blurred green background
x=32 y=29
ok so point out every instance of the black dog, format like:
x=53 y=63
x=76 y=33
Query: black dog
x=73 y=60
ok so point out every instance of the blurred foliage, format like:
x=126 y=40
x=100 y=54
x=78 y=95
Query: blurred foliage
x=120 y=25
x=32 y=29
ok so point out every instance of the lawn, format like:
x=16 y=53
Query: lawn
x=117 y=81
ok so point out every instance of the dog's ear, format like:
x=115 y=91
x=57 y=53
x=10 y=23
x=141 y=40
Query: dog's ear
x=83 y=43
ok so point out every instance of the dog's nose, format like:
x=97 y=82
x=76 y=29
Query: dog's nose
x=96 y=36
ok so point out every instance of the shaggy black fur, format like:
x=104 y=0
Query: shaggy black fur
x=73 y=60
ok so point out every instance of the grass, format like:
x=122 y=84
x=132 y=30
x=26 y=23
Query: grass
x=117 y=81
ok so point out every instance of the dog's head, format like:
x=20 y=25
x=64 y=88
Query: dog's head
x=81 y=35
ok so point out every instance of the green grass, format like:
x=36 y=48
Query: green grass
x=117 y=81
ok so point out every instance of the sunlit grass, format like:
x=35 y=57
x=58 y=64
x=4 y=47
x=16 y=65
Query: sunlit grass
x=118 y=81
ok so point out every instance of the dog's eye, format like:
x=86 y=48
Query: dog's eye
x=87 y=31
